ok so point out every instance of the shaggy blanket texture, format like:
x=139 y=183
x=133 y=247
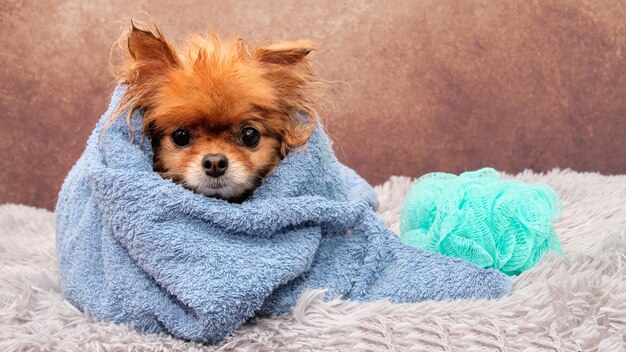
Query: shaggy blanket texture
x=572 y=303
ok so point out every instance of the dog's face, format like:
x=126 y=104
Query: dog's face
x=214 y=128
x=223 y=116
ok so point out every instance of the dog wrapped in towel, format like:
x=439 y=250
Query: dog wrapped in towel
x=136 y=248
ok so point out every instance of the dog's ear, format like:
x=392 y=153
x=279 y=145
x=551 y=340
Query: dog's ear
x=285 y=53
x=288 y=67
x=147 y=55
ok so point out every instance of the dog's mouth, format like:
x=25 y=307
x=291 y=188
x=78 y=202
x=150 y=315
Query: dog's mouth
x=235 y=185
x=214 y=187
x=215 y=183
x=224 y=187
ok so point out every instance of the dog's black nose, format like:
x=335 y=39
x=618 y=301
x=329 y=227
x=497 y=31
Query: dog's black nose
x=215 y=165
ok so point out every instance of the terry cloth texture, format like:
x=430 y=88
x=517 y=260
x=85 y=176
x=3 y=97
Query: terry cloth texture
x=135 y=248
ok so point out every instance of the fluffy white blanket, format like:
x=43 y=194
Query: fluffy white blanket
x=572 y=303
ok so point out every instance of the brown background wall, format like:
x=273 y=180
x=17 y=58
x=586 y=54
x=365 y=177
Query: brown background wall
x=431 y=85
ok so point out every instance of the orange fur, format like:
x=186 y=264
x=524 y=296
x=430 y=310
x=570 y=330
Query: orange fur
x=213 y=89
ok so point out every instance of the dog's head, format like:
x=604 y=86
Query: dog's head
x=220 y=114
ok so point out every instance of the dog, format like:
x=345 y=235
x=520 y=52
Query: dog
x=220 y=115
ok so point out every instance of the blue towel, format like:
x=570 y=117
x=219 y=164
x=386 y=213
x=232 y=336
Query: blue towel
x=135 y=248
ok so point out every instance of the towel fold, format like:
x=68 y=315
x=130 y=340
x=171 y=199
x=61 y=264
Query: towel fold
x=135 y=248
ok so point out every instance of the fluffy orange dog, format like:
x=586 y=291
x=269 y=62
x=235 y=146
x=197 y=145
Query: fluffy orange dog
x=220 y=115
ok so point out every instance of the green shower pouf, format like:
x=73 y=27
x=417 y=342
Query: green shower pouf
x=505 y=225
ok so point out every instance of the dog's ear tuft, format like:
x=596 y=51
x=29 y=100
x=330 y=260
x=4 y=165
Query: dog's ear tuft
x=147 y=54
x=285 y=53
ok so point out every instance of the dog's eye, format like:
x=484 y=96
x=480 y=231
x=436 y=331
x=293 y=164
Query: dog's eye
x=250 y=137
x=181 y=137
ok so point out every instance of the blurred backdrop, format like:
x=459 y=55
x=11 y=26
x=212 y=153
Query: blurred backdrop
x=423 y=86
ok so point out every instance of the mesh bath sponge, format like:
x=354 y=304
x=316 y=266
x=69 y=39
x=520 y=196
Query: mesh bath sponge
x=493 y=223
